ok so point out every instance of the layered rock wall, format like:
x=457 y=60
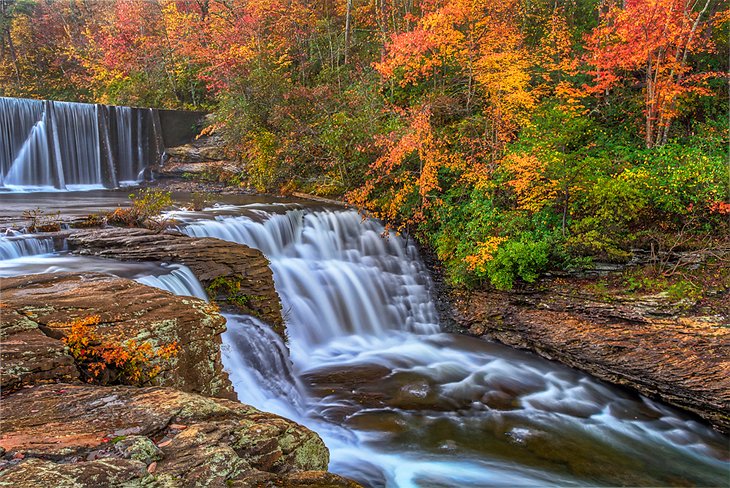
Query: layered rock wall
x=644 y=342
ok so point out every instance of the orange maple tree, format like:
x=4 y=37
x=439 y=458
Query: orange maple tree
x=104 y=361
x=407 y=170
x=654 y=38
x=477 y=43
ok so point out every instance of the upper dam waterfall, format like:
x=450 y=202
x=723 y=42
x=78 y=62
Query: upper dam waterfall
x=62 y=145
x=400 y=404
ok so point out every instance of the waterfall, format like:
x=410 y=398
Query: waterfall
x=400 y=404
x=30 y=255
x=259 y=367
x=64 y=145
x=19 y=246
x=179 y=281
x=336 y=271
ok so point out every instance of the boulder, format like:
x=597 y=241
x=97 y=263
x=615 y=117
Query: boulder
x=84 y=435
x=37 y=309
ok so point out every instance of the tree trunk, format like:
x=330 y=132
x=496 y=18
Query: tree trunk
x=13 y=55
x=649 y=137
x=348 y=15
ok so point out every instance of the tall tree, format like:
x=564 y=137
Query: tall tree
x=653 y=38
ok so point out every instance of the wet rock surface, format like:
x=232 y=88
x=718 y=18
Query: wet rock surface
x=37 y=308
x=57 y=431
x=234 y=266
x=644 y=342
x=83 y=435
x=203 y=149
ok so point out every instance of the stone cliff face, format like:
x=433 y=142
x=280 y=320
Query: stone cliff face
x=238 y=276
x=643 y=342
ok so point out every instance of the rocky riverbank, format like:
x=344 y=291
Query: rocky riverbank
x=182 y=430
x=672 y=348
x=80 y=435
x=38 y=310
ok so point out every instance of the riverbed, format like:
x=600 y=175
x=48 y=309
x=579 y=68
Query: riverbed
x=365 y=364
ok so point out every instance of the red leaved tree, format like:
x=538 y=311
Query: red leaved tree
x=653 y=39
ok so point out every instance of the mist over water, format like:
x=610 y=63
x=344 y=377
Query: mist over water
x=401 y=404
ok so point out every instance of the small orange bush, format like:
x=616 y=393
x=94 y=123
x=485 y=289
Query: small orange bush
x=106 y=362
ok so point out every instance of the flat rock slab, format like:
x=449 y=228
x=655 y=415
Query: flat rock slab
x=35 y=309
x=84 y=435
x=209 y=259
x=641 y=343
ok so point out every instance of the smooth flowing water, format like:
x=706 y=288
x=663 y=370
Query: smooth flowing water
x=62 y=145
x=27 y=254
x=400 y=403
x=17 y=245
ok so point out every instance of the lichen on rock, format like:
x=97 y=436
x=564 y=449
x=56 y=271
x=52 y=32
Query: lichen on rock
x=178 y=439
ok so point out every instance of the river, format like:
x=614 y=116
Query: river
x=398 y=402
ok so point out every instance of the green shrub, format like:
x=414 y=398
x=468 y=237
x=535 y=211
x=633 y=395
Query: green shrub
x=147 y=205
x=523 y=259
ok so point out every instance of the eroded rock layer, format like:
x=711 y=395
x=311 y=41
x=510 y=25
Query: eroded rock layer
x=37 y=310
x=237 y=275
x=643 y=342
x=83 y=435
x=58 y=431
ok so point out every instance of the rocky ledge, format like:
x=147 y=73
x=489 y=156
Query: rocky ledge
x=80 y=435
x=37 y=309
x=235 y=275
x=58 y=431
x=645 y=342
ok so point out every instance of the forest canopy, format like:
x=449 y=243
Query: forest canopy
x=512 y=137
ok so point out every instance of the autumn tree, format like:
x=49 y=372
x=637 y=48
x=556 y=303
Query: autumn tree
x=476 y=48
x=650 y=43
x=402 y=184
x=36 y=58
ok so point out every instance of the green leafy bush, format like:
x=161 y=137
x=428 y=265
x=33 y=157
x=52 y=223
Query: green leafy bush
x=147 y=205
x=523 y=259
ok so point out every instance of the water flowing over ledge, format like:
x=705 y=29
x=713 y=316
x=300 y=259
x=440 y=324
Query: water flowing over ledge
x=397 y=402
x=20 y=245
x=28 y=254
x=401 y=404
x=63 y=145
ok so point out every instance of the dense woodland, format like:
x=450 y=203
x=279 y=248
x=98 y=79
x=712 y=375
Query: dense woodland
x=513 y=136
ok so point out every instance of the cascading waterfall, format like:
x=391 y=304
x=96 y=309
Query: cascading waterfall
x=401 y=404
x=12 y=247
x=336 y=271
x=397 y=402
x=179 y=281
x=258 y=364
x=64 y=145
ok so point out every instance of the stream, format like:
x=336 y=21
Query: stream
x=398 y=402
